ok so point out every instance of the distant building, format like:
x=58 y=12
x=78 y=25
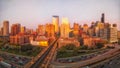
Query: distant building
x=110 y=33
x=19 y=39
x=65 y=28
x=119 y=34
x=76 y=29
x=39 y=41
x=103 y=18
x=85 y=28
x=100 y=26
x=41 y=30
x=113 y=34
x=5 y=28
x=91 y=32
x=91 y=42
x=55 y=21
x=50 y=30
x=23 y=29
x=15 y=29
x=65 y=41
x=1 y=31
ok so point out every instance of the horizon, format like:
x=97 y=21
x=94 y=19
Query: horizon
x=32 y=13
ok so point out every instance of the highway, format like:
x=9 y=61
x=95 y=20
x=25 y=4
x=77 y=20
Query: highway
x=46 y=62
x=108 y=62
x=42 y=58
x=109 y=54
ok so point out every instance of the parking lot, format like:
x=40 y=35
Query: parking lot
x=14 y=60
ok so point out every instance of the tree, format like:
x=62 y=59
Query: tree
x=70 y=46
x=26 y=47
x=83 y=47
x=75 y=51
x=99 y=45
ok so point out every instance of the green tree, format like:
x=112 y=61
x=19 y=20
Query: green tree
x=99 y=45
x=75 y=51
x=70 y=46
x=83 y=47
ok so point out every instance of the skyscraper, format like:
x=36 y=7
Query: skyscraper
x=23 y=29
x=103 y=18
x=76 y=29
x=5 y=28
x=41 y=29
x=55 y=21
x=15 y=29
x=65 y=28
x=1 y=31
x=50 y=30
x=113 y=33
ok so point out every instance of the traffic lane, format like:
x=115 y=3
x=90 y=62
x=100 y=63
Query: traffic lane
x=115 y=63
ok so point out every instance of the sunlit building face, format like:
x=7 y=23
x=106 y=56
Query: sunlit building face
x=65 y=28
x=55 y=21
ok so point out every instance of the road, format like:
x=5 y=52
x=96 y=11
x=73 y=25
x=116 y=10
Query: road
x=109 y=54
x=42 y=58
x=113 y=62
x=47 y=60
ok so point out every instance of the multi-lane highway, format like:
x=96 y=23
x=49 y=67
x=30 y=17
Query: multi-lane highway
x=44 y=56
x=107 y=55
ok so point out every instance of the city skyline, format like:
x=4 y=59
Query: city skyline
x=40 y=12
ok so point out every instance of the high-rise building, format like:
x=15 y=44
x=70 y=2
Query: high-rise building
x=5 y=28
x=15 y=29
x=55 y=21
x=65 y=28
x=23 y=29
x=118 y=34
x=50 y=30
x=103 y=18
x=113 y=33
x=110 y=33
x=85 y=28
x=76 y=29
x=1 y=31
x=41 y=29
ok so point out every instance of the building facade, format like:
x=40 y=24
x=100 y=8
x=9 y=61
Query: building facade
x=65 y=28
x=6 y=28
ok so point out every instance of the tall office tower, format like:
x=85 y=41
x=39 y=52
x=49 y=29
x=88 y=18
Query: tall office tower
x=1 y=31
x=50 y=30
x=91 y=32
x=23 y=29
x=5 y=28
x=106 y=31
x=118 y=34
x=103 y=18
x=41 y=29
x=55 y=21
x=85 y=28
x=65 y=28
x=100 y=26
x=113 y=34
x=76 y=29
x=15 y=29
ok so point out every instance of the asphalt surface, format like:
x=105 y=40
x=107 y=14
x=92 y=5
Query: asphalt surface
x=113 y=63
x=42 y=58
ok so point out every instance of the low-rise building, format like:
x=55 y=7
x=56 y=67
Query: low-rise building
x=19 y=39
x=64 y=41
x=39 y=41
x=91 y=42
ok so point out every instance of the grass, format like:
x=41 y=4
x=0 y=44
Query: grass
x=24 y=53
x=66 y=54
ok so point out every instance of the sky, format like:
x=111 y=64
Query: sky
x=31 y=13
